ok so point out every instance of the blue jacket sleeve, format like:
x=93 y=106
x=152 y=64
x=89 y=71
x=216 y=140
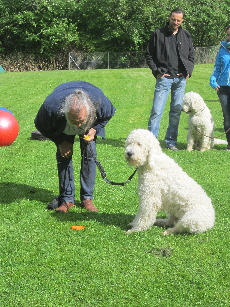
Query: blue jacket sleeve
x=104 y=113
x=104 y=108
x=216 y=73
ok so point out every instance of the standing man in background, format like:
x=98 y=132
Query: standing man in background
x=170 y=56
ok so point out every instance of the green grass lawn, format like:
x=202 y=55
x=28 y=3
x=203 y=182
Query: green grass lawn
x=45 y=263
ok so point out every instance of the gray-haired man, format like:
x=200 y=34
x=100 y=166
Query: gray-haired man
x=74 y=108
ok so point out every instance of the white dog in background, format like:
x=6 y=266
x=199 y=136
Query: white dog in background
x=200 y=123
x=164 y=186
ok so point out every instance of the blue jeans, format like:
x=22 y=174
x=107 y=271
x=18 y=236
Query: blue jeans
x=224 y=96
x=87 y=173
x=162 y=88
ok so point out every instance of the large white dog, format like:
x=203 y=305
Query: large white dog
x=164 y=186
x=200 y=123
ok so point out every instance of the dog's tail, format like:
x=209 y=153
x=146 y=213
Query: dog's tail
x=220 y=142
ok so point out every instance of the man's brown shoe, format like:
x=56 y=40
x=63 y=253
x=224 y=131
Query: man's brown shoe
x=64 y=207
x=88 y=205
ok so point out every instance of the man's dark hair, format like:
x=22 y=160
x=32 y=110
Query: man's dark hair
x=177 y=11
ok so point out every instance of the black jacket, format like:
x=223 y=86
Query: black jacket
x=51 y=123
x=158 y=50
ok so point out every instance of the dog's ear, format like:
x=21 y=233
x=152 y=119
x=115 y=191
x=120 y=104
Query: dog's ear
x=195 y=104
x=154 y=151
x=152 y=158
x=196 y=101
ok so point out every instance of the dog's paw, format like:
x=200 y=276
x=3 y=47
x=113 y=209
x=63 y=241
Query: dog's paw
x=134 y=230
x=170 y=231
x=167 y=232
x=203 y=149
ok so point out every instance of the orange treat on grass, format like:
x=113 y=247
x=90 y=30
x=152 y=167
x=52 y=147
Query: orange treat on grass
x=78 y=227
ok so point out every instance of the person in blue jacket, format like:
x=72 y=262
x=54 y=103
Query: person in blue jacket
x=220 y=81
x=74 y=108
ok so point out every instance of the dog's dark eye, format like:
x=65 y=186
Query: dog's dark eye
x=139 y=144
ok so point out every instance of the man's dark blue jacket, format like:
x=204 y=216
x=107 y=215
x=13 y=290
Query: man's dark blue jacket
x=51 y=123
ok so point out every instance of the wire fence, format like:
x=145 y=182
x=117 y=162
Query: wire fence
x=134 y=59
x=106 y=60
x=91 y=60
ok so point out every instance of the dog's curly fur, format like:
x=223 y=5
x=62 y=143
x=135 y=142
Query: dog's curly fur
x=200 y=123
x=164 y=186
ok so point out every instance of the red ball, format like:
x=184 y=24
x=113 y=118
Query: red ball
x=9 y=128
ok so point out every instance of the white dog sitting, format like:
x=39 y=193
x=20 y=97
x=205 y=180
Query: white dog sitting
x=164 y=186
x=200 y=123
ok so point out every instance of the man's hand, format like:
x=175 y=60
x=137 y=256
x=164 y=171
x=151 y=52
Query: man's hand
x=161 y=76
x=66 y=149
x=90 y=135
x=181 y=75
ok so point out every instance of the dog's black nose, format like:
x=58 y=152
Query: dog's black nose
x=129 y=153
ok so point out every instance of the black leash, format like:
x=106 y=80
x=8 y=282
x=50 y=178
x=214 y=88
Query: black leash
x=212 y=137
x=103 y=173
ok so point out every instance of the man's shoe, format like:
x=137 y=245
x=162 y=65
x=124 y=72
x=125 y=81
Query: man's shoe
x=64 y=207
x=53 y=204
x=88 y=205
x=173 y=148
x=227 y=148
